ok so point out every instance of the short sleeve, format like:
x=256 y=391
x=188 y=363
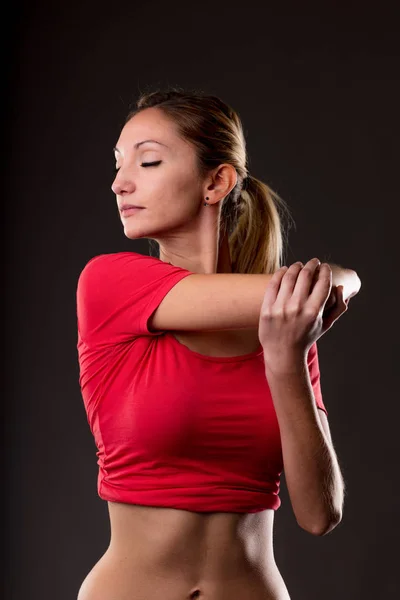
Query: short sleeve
x=117 y=294
x=315 y=377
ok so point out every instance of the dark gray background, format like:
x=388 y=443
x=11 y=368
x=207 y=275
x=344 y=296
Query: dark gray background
x=318 y=93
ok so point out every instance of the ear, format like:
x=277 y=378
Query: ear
x=221 y=182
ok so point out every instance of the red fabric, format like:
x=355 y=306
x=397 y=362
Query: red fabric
x=173 y=428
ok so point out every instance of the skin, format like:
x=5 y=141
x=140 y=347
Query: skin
x=161 y=552
x=173 y=195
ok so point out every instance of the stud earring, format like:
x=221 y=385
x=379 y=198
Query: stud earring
x=206 y=203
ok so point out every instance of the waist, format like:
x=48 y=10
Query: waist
x=206 y=543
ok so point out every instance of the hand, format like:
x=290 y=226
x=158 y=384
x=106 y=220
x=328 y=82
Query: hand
x=335 y=298
x=292 y=314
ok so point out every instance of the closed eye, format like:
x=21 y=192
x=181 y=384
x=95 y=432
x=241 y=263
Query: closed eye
x=150 y=164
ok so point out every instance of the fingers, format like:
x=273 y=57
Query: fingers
x=341 y=303
x=273 y=287
x=288 y=281
x=297 y=283
x=337 y=311
x=322 y=288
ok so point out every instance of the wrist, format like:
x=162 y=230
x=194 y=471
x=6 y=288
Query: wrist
x=288 y=364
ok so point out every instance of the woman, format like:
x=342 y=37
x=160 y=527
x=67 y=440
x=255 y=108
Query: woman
x=199 y=368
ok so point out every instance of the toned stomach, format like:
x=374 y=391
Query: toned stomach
x=168 y=554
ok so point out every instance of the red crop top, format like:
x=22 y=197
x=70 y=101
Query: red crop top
x=173 y=428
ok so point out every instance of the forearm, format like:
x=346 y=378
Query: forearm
x=312 y=472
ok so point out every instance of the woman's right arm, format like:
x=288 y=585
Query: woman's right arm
x=216 y=301
x=220 y=301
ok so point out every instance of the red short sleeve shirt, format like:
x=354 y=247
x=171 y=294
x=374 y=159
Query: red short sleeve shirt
x=173 y=428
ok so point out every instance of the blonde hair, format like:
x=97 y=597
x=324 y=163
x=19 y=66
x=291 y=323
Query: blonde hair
x=252 y=213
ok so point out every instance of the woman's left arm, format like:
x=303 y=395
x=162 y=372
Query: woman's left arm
x=312 y=472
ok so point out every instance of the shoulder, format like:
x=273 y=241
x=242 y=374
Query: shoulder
x=112 y=258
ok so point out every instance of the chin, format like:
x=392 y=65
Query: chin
x=133 y=235
x=141 y=231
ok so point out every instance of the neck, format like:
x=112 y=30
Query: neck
x=224 y=258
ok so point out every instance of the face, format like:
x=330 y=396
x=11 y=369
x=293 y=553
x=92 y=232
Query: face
x=160 y=177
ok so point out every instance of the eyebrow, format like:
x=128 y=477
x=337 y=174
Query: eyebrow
x=143 y=142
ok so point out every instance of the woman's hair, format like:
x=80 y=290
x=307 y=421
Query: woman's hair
x=251 y=213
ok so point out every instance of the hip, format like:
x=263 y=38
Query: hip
x=117 y=577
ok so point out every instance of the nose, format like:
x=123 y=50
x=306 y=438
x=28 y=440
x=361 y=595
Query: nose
x=122 y=184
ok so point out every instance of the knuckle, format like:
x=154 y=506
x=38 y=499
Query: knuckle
x=294 y=309
x=278 y=313
x=311 y=313
x=291 y=274
x=307 y=272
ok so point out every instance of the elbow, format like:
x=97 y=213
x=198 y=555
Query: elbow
x=326 y=527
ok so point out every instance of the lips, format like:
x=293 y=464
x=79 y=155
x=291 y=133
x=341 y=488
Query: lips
x=127 y=212
x=127 y=206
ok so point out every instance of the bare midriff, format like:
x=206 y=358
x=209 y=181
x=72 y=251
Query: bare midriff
x=170 y=554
